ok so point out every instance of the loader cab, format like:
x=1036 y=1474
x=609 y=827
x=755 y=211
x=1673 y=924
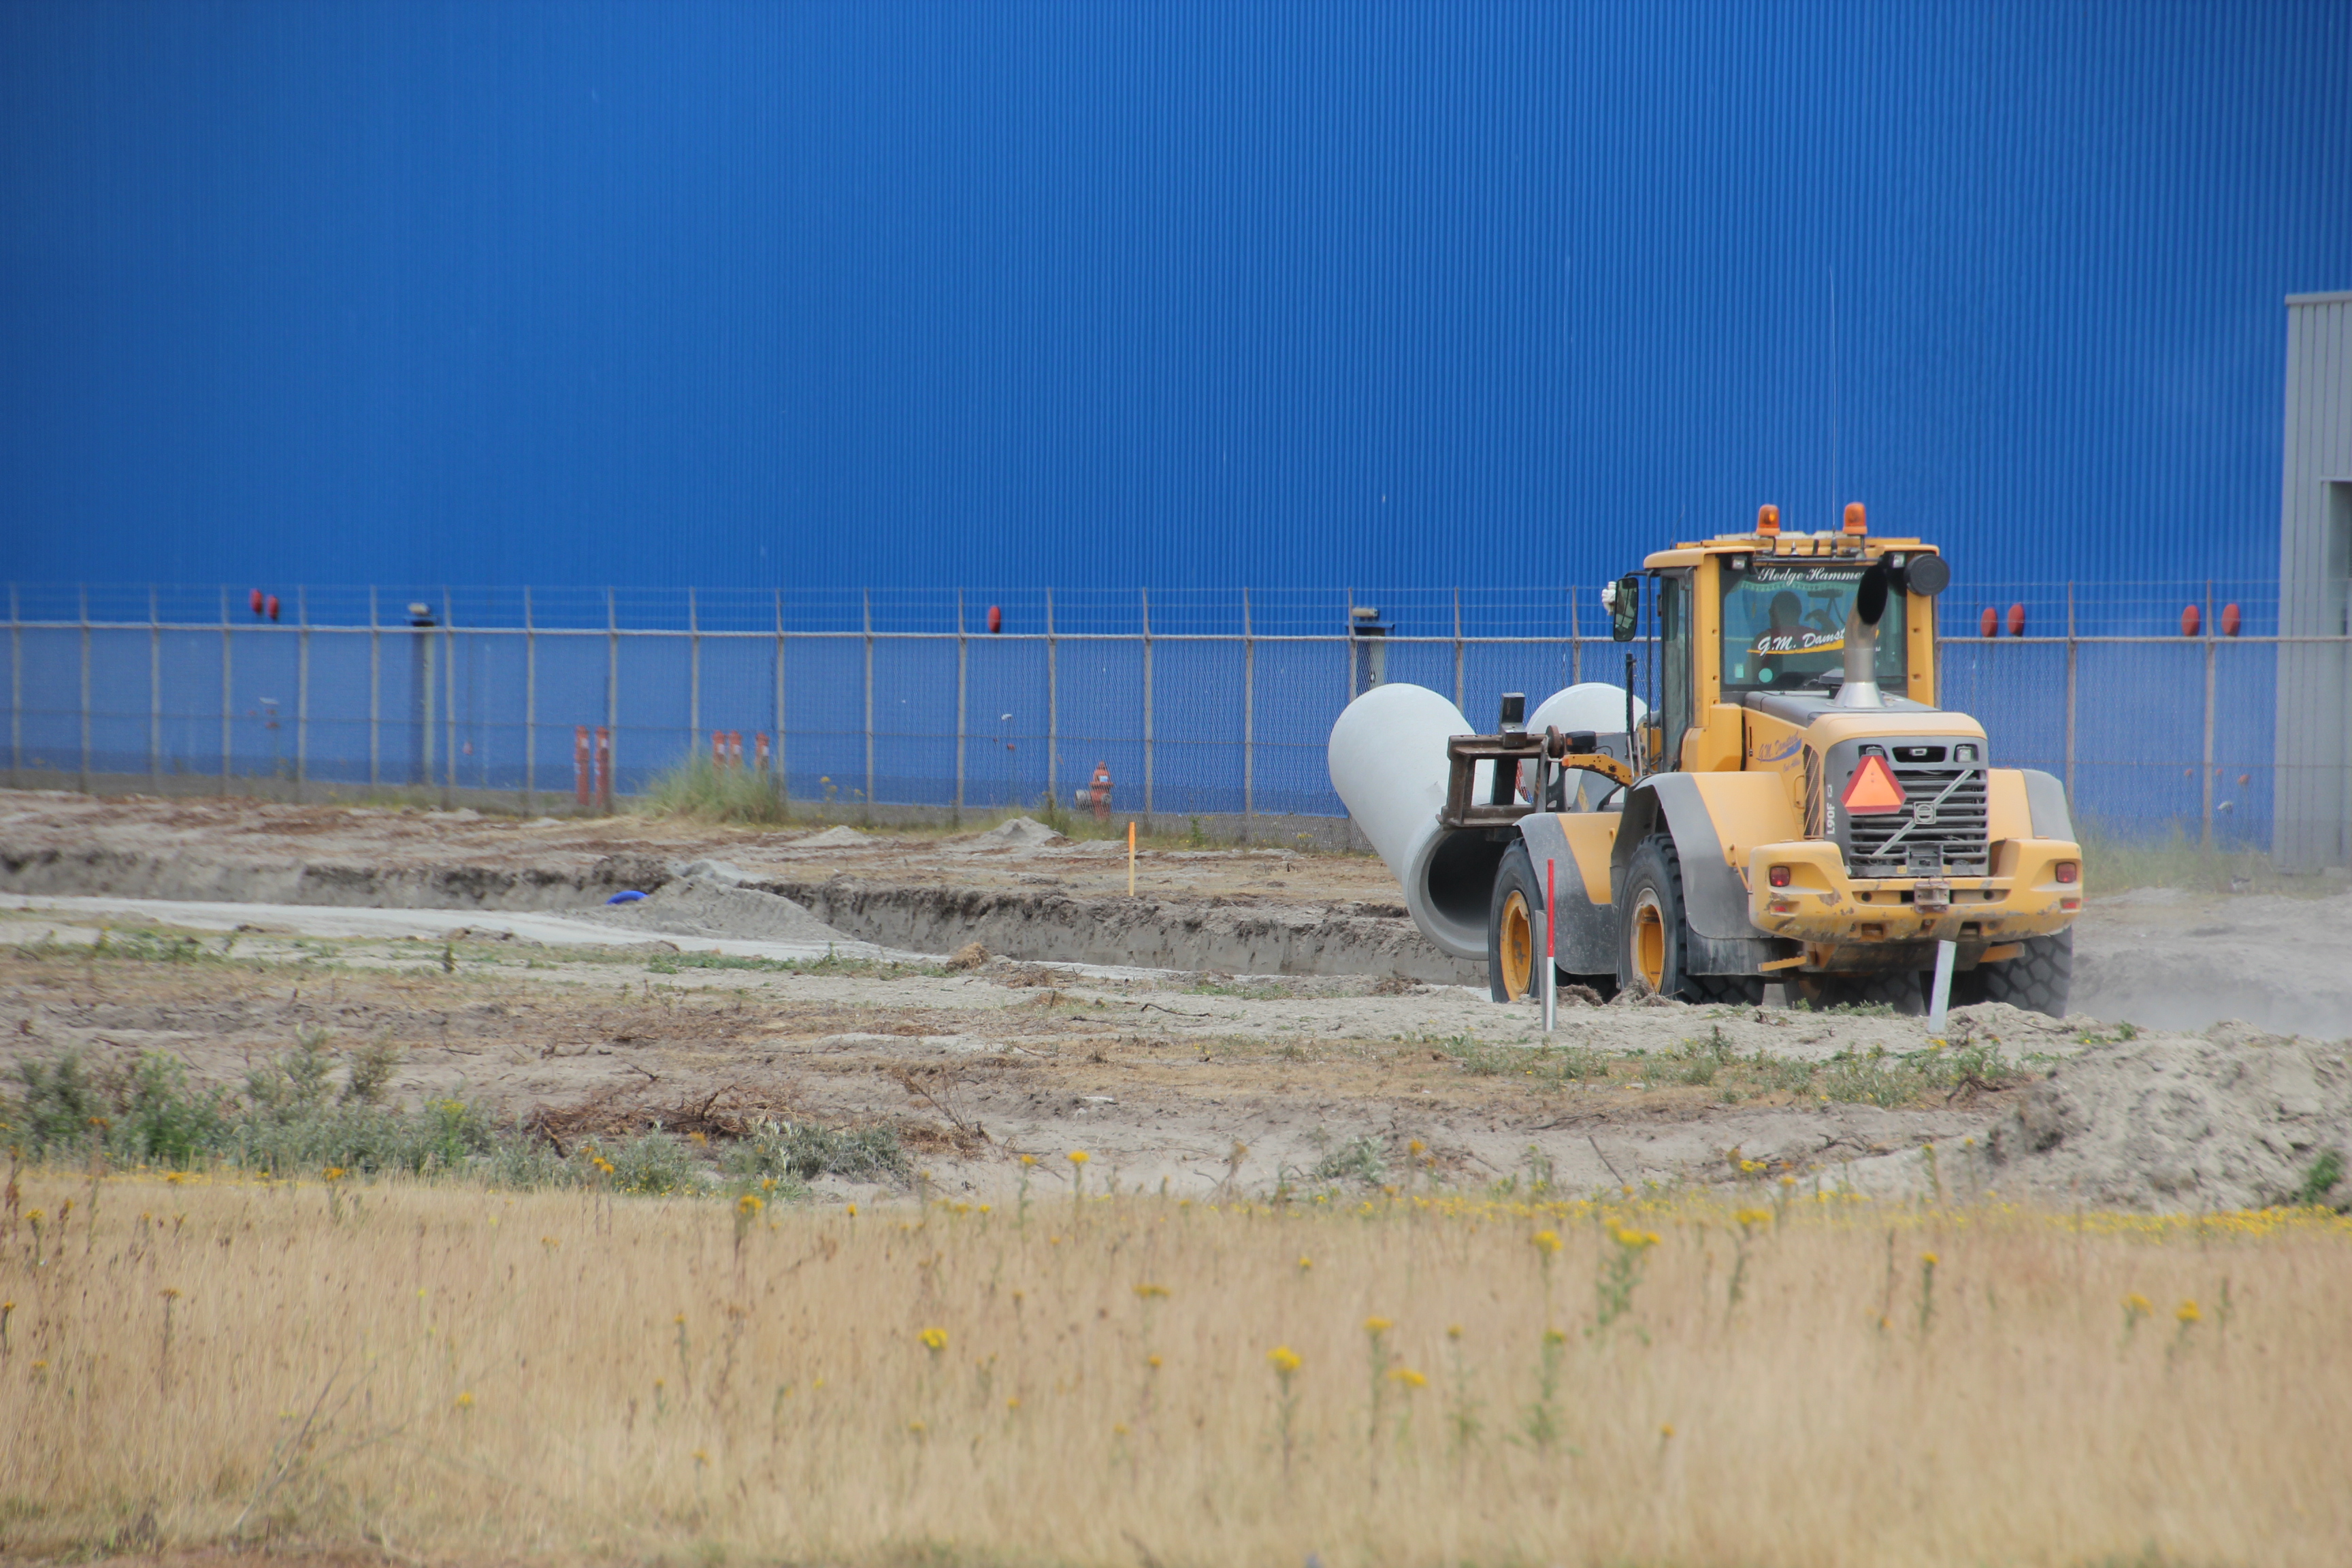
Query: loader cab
x=1746 y=615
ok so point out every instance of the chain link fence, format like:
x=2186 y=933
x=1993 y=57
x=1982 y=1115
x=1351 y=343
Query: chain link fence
x=2162 y=705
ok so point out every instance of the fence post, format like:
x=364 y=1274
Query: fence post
x=781 y=781
x=2205 y=773
x=1457 y=647
x=693 y=673
x=1575 y=643
x=1249 y=720
x=448 y=699
x=228 y=688
x=83 y=603
x=530 y=708
x=302 y=694
x=1053 y=710
x=866 y=599
x=155 y=692
x=1148 y=760
x=16 y=691
x=2070 y=697
x=963 y=655
x=612 y=740
x=375 y=690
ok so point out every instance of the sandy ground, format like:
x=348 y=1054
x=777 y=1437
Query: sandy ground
x=483 y=949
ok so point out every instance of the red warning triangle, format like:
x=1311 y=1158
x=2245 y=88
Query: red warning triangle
x=1875 y=791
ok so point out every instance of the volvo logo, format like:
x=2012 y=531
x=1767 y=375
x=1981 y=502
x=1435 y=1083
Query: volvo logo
x=1924 y=815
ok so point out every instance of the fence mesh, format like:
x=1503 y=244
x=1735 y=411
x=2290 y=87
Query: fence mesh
x=1194 y=701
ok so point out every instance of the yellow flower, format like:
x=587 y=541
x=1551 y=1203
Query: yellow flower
x=1079 y=1156
x=1545 y=1241
x=1416 y=1147
x=1753 y=1217
x=1148 y=1291
x=1151 y=1362
x=749 y=1204
x=1785 y=1181
x=702 y=1455
x=1635 y=1239
x=853 y=1211
x=1554 y=1337
x=1377 y=1325
x=549 y=1241
x=170 y=1293
x=1666 y=1429
x=1305 y=1262
x=1929 y=1258
x=1407 y=1376
x=1453 y=1331
x=1014 y=1403
x=2137 y=1305
x=335 y=1173
x=1118 y=1429
x=2186 y=1314
x=917 y=1427
x=466 y=1400
x=35 y=1217
x=1028 y=1159
x=1285 y=1360
x=934 y=1340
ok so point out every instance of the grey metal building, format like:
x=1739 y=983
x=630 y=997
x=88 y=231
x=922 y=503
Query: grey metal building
x=2313 y=800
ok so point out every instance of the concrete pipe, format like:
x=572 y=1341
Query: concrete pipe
x=1388 y=765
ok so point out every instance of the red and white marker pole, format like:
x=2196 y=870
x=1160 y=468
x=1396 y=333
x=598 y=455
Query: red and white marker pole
x=1551 y=976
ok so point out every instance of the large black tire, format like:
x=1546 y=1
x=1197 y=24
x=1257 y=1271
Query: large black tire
x=1653 y=938
x=2038 y=980
x=1514 y=927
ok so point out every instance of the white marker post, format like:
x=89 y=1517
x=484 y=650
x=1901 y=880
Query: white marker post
x=1940 y=996
x=1551 y=978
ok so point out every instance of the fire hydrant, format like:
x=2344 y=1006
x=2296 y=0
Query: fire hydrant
x=1098 y=792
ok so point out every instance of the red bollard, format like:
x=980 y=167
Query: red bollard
x=1098 y=792
x=760 y=749
x=580 y=766
x=272 y=602
x=2017 y=620
x=735 y=750
x=2228 y=620
x=1989 y=626
x=2190 y=620
x=603 y=768
x=718 y=748
x=256 y=602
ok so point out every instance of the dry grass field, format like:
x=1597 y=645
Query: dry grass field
x=1772 y=1375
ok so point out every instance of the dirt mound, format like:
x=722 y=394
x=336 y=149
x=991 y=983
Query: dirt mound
x=1016 y=833
x=2231 y=1119
x=833 y=839
x=695 y=907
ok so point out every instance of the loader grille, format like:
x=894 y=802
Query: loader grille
x=1942 y=828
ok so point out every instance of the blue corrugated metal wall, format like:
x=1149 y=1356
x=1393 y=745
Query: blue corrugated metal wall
x=1191 y=295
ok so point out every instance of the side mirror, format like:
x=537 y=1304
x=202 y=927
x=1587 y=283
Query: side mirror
x=1626 y=608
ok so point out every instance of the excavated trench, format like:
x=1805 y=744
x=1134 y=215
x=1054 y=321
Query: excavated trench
x=1242 y=936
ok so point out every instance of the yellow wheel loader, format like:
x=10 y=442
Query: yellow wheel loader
x=1790 y=805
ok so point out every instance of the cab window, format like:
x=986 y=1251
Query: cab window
x=1784 y=625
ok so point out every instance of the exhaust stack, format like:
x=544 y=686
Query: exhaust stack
x=1860 y=689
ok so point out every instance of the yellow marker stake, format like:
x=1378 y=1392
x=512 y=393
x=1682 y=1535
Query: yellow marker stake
x=1130 y=860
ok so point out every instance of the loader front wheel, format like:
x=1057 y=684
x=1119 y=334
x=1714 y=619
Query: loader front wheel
x=2038 y=980
x=1651 y=936
x=1513 y=928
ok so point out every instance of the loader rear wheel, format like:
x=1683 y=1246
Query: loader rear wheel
x=2038 y=980
x=1514 y=923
